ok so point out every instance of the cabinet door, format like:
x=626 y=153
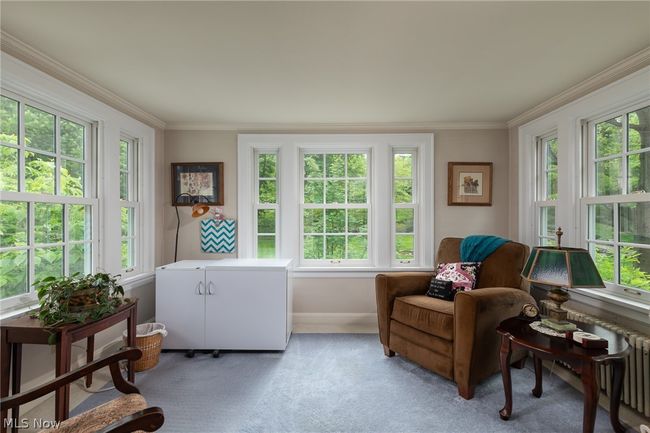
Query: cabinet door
x=180 y=306
x=246 y=309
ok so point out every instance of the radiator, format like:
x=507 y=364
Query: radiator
x=636 y=382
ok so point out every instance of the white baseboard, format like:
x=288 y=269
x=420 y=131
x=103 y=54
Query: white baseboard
x=324 y=323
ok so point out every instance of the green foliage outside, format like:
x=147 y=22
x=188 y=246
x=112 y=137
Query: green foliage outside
x=48 y=217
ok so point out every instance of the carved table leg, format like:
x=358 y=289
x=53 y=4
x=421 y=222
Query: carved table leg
x=591 y=394
x=504 y=356
x=16 y=372
x=537 y=362
x=618 y=370
x=5 y=365
x=90 y=352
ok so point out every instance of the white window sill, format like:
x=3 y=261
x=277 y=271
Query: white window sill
x=133 y=281
x=341 y=272
x=19 y=311
x=618 y=301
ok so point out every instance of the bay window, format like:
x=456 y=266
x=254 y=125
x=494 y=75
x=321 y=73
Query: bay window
x=129 y=205
x=266 y=204
x=547 y=189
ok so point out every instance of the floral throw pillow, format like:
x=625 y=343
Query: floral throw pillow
x=463 y=275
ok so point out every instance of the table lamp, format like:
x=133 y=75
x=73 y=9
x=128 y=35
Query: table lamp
x=561 y=268
x=198 y=209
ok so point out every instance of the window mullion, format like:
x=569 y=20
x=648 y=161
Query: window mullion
x=21 y=144
x=30 y=243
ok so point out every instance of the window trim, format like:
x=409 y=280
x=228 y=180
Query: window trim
x=289 y=147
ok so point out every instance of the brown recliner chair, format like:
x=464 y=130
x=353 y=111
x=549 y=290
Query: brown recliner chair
x=458 y=339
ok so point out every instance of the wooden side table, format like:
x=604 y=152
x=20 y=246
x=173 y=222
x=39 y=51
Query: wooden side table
x=25 y=330
x=517 y=334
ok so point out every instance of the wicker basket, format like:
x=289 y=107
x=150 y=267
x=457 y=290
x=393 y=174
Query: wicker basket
x=148 y=339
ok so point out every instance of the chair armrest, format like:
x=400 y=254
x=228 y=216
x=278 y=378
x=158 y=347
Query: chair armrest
x=476 y=316
x=129 y=353
x=391 y=285
x=149 y=419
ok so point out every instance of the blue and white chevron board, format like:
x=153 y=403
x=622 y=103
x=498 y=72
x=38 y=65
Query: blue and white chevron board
x=218 y=237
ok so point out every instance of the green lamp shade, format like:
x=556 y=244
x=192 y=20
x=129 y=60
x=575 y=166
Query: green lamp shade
x=563 y=267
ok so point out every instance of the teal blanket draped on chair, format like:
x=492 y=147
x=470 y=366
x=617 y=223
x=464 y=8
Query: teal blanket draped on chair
x=477 y=248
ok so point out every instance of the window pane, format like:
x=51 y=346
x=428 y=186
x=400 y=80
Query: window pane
x=601 y=222
x=267 y=191
x=72 y=178
x=547 y=221
x=313 y=247
x=358 y=247
x=335 y=192
x=72 y=139
x=546 y=242
x=314 y=221
x=357 y=165
x=13 y=223
x=638 y=127
x=39 y=129
x=79 y=223
x=357 y=191
x=634 y=221
x=635 y=267
x=266 y=247
x=313 y=191
x=403 y=191
x=335 y=165
x=39 y=173
x=124 y=185
x=267 y=165
x=604 y=258
x=335 y=220
x=404 y=220
x=638 y=172
x=48 y=262
x=127 y=253
x=313 y=165
x=403 y=165
x=335 y=247
x=404 y=245
x=8 y=120
x=266 y=221
x=551 y=185
x=13 y=273
x=80 y=256
x=357 y=220
x=48 y=223
x=8 y=169
x=609 y=177
x=609 y=137
x=551 y=168
x=124 y=155
x=127 y=221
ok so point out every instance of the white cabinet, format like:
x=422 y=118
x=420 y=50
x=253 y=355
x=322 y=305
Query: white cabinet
x=229 y=304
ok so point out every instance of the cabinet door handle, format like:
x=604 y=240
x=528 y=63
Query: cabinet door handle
x=198 y=288
x=210 y=284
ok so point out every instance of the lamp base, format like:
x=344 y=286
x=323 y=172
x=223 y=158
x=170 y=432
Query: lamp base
x=556 y=315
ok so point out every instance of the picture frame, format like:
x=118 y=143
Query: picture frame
x=469 y=184
x=197 y=179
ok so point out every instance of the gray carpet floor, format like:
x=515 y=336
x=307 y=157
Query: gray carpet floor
x=342 y=383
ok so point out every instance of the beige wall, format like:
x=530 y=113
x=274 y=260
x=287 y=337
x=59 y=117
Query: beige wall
x=343 y=295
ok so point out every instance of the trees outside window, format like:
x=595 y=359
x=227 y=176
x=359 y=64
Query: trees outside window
x=618 y=203
x=46 y=211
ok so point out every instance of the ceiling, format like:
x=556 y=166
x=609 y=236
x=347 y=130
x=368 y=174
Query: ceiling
x=351 y=62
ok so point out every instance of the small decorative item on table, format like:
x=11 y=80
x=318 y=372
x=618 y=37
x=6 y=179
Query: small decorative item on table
x=529 y=312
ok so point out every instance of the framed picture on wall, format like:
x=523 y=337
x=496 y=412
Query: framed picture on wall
x=197 y=179
x=469 y=184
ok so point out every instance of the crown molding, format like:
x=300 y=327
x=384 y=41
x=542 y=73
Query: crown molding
x=26 y=53
x=615 y=72
x=332 y=127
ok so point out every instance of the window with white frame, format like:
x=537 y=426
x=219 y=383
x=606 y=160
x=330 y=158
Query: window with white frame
x=546 y=191
x=129 y=204
x=405 y=206
x=48 y=207
x=347 y=201
x=617 y=198
x=266 y=204
x=335 y=208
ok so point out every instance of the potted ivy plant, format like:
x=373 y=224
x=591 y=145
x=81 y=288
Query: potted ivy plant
x=76 y=299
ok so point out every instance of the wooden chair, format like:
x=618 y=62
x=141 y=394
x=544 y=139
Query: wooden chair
x=126 y=413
